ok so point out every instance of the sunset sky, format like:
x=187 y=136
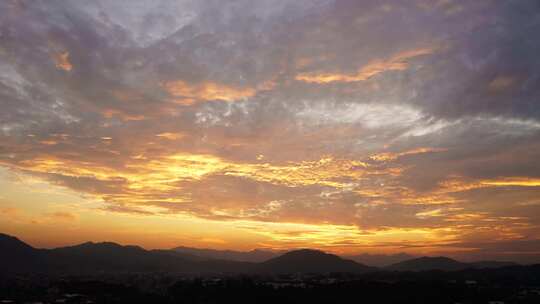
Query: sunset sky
x=348 y=126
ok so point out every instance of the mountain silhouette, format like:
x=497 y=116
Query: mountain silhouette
x=14 y=244
x=444 y=264
x=491 y=264
x=308 y=261
x=17 y=256
x=254 y=256
x=429 y=263
x=379 y=260
x=106 y=257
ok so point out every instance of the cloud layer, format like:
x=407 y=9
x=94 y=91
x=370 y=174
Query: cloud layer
x=378 y=122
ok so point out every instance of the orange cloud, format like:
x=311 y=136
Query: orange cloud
x=186 y=93
x=142 y=181
x=213 y=240
x=501 y=83
x=397 y=62
x=430 y=213
x=148 y=181
x=327 y=171
x=444 y=193
x=387 y=156
x=170 y=136
x=9 y=212
x=512 y=181
x=457 y=185
x=48 y=142
x=61 y=216
x=62 y=61
x=110 y=113
x=347 y=237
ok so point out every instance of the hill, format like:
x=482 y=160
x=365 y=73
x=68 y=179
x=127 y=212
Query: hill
x=444 y=264
x=106 y=257
x=311 y=261
x=379 y=260
x=17 y=256
x=111 y=257
x=429 y=263
x=491 y=264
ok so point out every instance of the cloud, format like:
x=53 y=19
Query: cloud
x=61 y=216
x=11 y=212
x=519 y=182
x=413 y=121
x=386 y=156
x=397 y=62
x=170 y=136
x=186 y=94
x=501 y=83
x=62 y=61
x=19 y=216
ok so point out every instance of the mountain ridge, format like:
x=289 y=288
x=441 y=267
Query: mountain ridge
x=108 y=257
x=309 y=260
x=442 y=263
x=379 y=260
x=255 y=255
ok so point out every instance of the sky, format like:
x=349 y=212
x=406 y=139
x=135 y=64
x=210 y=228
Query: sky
x=343 y=125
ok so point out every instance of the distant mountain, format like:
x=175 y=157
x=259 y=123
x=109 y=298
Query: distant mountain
x=254 y=256
x=311 y=261
x=17 y=256
x=379 y=260
x=92 y=258
x=14 y=244
x=444 y=264
x=111 y=257
x=429 y=263
x=491 y=264
x=87 y=258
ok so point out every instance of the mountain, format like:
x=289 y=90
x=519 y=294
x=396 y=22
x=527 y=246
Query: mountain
x=88 y=258
x=379 y=260
x=444 y=264
x=109 y=257
x=311 y=261
x=492 y=264
x=17 y=256
x=254 y=256
x=429 y=263
x=13 y=248
x=91 y=258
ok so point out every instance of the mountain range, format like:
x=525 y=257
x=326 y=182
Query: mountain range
x=91 y=258
x=444 y=264
x=254 y=256
x=379 y=260
x=307 y=260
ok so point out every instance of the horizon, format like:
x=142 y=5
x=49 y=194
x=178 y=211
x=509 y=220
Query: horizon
x=350 y=127
x=278 y=253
